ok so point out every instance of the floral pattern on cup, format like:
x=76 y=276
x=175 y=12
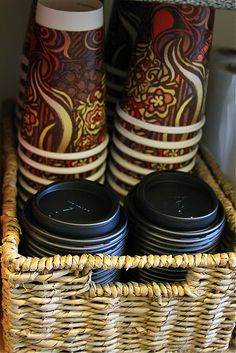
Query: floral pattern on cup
x=64 y=105
x=167 y=80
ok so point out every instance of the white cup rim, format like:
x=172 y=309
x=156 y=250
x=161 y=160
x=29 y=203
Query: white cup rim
x=33 y=177
x=159 y=128
x=98 y=174
x=116 y=187
x=129 y=166
x=152 y=159
x=188 y=167
x=61 y=170
x=22 y=196
x=65 y=15
x=115 y=71
x=114 y=86
x=155 y=143
x=25 y=186
x=64 y=156
x=121 y=176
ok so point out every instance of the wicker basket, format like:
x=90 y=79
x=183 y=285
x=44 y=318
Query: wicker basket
x=51 y=304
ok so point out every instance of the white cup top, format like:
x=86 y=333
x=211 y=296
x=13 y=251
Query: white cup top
x=64 y=156
x=63 y=170
x=150 y=158
x=70 y=15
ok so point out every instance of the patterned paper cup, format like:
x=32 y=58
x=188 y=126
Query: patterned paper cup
x=64 y=110
x=167 y=80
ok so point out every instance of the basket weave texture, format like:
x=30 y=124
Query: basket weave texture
x=223 y=4
x=51 y=304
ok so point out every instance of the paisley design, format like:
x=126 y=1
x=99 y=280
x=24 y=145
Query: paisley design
x=168 y=76
x=65 y=91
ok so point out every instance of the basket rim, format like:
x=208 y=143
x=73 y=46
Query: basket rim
x=16 y=263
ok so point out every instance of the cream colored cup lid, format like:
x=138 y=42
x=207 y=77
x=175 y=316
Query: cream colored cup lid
x=70 y=15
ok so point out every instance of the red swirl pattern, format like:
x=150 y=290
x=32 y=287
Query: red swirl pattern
x=64 y=105
x=168 y=77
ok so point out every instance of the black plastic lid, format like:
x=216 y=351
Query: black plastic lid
x=33 y=229
x=176 y=200
x=74 y=206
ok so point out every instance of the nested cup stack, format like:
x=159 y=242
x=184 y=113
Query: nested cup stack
x=160 y=115
x=62 y=133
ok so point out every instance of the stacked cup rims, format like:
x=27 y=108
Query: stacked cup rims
x=160 y=115
x=172 y=213
x=62 y=133
x=75 y=217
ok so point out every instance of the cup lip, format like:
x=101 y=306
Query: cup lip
x=132 y=167
x=121 y=176
x=111 y=99
x=140 y=170
x=156 y=143
x=115 y=71
x=102 y=225
x=159 y=128
x=150 y=158
x=99 y=174
x=69 y=20
x=33 y=177
x=62 y=170
x=114 y=86
x=115 y=186
x=64 y=156
x=25 y=186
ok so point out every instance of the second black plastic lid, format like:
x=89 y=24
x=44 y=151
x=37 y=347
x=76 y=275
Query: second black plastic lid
x=176 y=200
x=69 y=206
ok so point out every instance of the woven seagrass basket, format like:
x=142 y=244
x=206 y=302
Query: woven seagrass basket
x=51 y=304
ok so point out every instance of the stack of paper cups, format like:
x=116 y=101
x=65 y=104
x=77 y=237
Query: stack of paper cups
x=160 y=116
x=62 y=133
